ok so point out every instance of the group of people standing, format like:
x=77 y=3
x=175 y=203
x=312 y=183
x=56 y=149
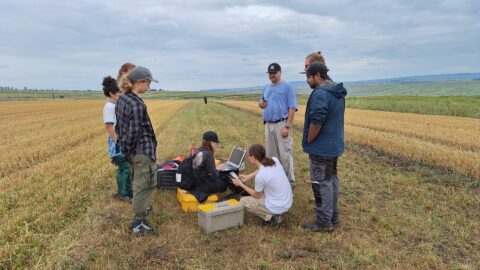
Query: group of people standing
x=132 y=143
x=323 y=133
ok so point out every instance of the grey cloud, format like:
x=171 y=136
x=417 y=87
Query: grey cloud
x=209 y=44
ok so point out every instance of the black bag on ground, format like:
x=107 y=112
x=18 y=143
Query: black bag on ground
x=166 y=179
x=185 y=169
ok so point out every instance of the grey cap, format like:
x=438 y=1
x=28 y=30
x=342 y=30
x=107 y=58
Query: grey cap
x=140 y=73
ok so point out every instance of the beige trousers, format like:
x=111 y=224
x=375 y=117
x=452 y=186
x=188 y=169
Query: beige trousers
x=256 y=207
x=279 y=147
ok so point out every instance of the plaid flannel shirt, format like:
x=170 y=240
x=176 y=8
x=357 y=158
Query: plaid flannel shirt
x=134 y=128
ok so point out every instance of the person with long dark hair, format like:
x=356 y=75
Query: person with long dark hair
x=113 y=93
x=207 y=178
x=272 y=195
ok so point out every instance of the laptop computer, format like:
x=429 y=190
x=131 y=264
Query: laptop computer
x=235 y=161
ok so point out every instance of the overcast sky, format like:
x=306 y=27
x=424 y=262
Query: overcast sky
x=192 y=45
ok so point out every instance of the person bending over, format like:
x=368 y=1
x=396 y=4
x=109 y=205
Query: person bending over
x=272 y=195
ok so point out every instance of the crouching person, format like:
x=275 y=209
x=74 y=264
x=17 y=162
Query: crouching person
x=272 y=195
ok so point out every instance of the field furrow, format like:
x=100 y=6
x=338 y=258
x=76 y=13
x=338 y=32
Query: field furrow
x=40 y=201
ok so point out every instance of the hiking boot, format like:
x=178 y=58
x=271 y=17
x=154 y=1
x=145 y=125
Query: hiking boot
x=335 y=221
x=141 y=227
x=121 y=197
x=276 y=220
x=314 y=227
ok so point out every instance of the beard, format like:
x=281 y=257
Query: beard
x=312 y=85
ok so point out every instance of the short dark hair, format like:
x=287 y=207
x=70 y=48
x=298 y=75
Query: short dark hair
x=110 y=86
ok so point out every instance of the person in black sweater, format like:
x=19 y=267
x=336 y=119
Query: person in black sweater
x=207 y=178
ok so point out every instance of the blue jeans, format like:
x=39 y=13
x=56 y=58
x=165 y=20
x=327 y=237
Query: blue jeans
x=325 y=186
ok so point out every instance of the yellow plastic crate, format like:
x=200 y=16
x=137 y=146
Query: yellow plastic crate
x=189 y=203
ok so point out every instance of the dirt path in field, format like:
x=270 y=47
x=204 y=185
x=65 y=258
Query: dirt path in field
x=393 y=215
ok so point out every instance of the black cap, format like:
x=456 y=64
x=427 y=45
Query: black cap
x=211 y=137
x=274 y=67
x=315 y=68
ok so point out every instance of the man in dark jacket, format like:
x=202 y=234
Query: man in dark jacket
x=323 y=140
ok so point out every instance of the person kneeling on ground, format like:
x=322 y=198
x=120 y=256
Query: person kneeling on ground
x=272 y=195
x=207 y=179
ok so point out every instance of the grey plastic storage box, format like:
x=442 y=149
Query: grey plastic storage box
x=220 y=216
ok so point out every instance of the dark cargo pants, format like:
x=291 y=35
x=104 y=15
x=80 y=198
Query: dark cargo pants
x=325 y=186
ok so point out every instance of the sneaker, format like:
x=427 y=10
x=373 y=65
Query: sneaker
x=314 y=227
x=276 y=220
x=141 y=227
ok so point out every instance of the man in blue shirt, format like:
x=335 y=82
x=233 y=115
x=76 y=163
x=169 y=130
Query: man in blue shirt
x=323 y=140
x=279 y=104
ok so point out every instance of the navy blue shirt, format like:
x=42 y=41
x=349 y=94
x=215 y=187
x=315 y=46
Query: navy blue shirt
x=326 y=107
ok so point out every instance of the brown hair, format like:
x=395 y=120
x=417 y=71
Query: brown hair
x=316 y=57
x=125 y=68
x=207 y=145
x=125 y=84
x=259 y=153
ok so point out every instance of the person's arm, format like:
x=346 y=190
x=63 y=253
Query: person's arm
x=111 y=132
x=248 y=177
x=109 y=120
x=239 y=183
x=263 y=102
x=317 y=115
x=313 y=132
x=292 y=108
x=210 y=164
x=134 y=127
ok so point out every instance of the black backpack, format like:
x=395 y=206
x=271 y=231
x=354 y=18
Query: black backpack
x=185 y=169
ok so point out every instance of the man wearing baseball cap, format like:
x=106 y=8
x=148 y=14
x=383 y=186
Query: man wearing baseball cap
x=137 y=140
x=323 y=140
x=279 y=104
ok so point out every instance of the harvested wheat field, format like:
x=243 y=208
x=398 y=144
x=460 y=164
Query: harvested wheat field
x=444 y=141
x=410 y=194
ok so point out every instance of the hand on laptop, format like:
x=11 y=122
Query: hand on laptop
x=237 y=182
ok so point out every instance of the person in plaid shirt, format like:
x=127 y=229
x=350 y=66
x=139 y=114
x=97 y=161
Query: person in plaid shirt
x=137 y=141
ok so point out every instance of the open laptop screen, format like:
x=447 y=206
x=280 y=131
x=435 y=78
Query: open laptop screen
x=236 y=157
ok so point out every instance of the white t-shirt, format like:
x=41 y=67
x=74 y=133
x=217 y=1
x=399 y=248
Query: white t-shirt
x=109 y=113
x=274 y=183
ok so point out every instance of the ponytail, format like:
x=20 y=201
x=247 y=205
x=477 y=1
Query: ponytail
x=267 y=162
x=316 y=57
x=126 y=84
x=259 y=153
